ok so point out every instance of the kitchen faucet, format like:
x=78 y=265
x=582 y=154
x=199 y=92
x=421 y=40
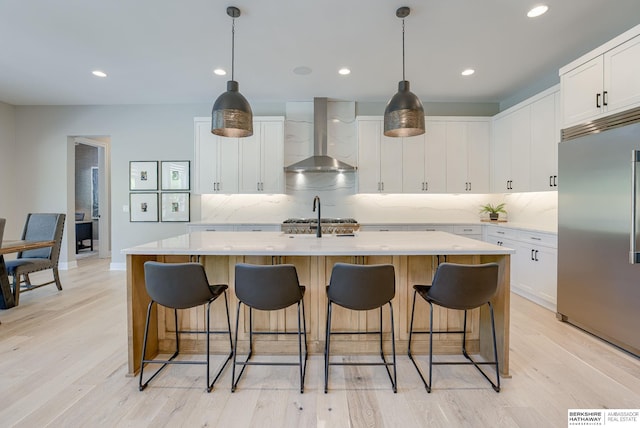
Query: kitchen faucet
x=319 y=227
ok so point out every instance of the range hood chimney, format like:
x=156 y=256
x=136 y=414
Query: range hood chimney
x=320 y=161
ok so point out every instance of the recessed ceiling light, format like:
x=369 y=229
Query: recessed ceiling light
x=468 y=72
x=538 y=10
x=220 y=71
x=302 y=70
x=344 y=71
x=99 y=73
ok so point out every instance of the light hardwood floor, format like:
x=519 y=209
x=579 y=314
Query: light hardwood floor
x=63 y=364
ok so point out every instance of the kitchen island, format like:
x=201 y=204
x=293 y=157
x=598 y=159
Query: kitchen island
x=415 y=256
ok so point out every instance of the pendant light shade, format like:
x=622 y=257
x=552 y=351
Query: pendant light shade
x=231 y=115
x=404 y=114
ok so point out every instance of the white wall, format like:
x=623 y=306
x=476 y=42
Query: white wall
x=45 y=156
x=13 y=228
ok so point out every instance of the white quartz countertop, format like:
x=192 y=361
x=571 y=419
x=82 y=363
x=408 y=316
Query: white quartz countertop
x=278 y=243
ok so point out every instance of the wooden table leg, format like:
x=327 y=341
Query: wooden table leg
x=6 y=301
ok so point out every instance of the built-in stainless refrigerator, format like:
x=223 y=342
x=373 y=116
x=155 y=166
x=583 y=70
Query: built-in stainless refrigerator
x=598 y=227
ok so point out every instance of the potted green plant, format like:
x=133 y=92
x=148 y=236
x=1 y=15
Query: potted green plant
x=493 y=210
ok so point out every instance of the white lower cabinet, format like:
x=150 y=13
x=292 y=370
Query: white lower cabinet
x=473 y=231
x=210 y=228
x=383 y=227
x=534 y=266
x=233 y=227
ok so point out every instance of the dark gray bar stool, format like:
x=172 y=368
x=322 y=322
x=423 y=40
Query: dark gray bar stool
x=462 y=287
x=269 y=288
x=361 y=288
x=182 y=286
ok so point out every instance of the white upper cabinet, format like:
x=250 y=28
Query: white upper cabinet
x=468 y=155
x=452 y=156
x=545 y=136
x=524 y=151
x=216 y=160
x=424 y=161
x=603 y=82
x=262 y=157
x=510 y=154
x=239 y=165
x=379 y=158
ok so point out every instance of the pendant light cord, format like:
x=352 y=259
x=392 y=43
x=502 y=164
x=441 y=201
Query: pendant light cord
x=233 y=45
x=403 y=78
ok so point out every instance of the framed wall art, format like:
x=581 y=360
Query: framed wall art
x=143 y=175
x=175 y=175
x=143 y=207
x=175 y=206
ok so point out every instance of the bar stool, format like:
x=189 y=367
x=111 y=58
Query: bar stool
x=462 y=287
x=269 y=288
x=361 y=288
x=182 y=286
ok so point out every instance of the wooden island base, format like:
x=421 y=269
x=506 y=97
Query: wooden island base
x=314 y=272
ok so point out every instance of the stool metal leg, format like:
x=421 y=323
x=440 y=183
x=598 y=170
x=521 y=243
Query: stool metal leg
x=142 y=386
x=226 y=305
x=303 y=364
x=326 y=347
x=415 y=364
x=427 y=383
x=234 y=381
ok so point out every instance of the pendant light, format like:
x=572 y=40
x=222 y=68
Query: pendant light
x=231 y=115
x=404 y=114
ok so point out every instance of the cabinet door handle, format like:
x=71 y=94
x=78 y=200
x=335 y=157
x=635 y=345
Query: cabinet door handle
x=536 y=256
x=604 y=98
x=598 y=100
x=532 y=251
x=426 y=185
x=500 y=232
x=383 y=186
x=555 y=181
x=551 y=181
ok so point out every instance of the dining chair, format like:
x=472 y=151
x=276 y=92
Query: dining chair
x=361 y=288
x=182 y=286
x=2 y=265
x=38 y=227
x=269 y=288
x=462 y=287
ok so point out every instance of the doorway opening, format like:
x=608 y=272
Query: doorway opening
x=92 y=197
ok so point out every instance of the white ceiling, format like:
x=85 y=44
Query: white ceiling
x=164 y=51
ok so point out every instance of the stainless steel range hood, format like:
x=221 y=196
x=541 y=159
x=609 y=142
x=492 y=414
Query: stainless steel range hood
x=320 y=161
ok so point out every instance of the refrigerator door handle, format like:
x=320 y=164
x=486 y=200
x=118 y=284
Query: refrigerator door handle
x=634 y=255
